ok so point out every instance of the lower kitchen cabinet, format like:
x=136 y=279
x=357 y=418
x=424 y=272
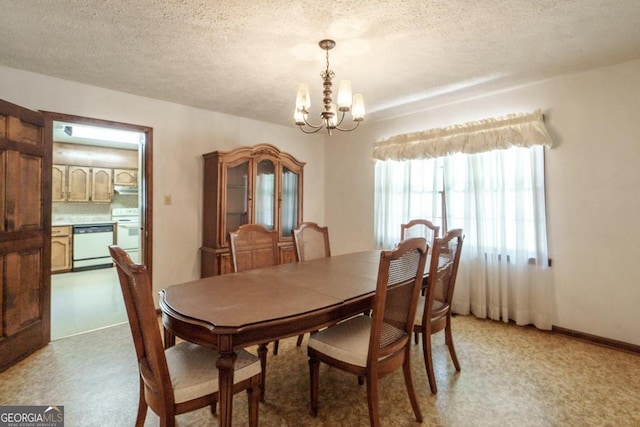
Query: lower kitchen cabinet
x=61 y=249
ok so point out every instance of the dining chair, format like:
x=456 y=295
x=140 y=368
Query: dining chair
x=434 y=308
x=183 y=377
x=254 y=246
x=310 y=241
x=374 y=346
x=419 y=228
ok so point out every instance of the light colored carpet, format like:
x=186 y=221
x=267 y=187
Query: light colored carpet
x=511 y=376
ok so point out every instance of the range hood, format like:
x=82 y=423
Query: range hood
x=125 y=189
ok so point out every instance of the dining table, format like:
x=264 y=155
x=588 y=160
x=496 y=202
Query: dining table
x=230 y=312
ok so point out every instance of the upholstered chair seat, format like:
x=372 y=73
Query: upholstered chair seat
x=193 y=371
x=349 y=340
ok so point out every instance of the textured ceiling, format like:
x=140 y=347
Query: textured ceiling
x=246 y=57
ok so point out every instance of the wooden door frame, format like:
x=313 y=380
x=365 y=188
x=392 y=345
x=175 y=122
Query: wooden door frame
x=146 y=188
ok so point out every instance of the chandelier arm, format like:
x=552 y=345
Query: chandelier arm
x=349 y=130
x=340 y=122
x=317 y=128
x=311 y=125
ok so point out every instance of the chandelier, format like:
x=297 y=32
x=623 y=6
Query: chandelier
x=329 y=117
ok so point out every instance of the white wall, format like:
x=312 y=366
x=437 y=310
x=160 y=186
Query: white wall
x=592 y=181
x=180 y=136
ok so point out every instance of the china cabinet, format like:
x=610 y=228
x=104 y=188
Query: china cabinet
x=249 y=185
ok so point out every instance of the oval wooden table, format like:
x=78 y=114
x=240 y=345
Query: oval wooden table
x=237 y=310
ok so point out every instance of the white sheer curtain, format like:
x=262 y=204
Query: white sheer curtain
x=404 y=191
x=497 y=198
x=265 y=208
x=289 y=202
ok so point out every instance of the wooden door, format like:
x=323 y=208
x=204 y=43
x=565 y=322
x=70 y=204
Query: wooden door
x=25 y=229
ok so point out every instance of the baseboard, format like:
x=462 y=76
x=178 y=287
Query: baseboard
x=594 y=339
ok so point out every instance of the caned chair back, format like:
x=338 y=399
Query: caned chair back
x=443 y=270
x=399 y=282
x=143 y=321
x=420 y=228
x=311 y=241
x=253 y=246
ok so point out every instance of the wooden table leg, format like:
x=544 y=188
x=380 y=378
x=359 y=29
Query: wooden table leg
x=169 y=338
x=225 y=365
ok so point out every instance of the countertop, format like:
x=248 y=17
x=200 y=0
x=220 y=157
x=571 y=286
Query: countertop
x=80 y=221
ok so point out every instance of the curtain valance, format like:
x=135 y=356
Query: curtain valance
x=513 y=130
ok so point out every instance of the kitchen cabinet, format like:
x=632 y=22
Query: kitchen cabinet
x=61 y=249
x=81 y=184
x=101 y=186
x=125 y=177
x=59 y=183
x=249 y=185
x=78 y=183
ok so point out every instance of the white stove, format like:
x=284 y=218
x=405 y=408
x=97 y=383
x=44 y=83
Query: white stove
x=128 y=230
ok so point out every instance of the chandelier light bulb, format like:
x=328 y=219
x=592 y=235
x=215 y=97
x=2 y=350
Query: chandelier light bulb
x=358 y=108
x=344 y=95
x=303 y=101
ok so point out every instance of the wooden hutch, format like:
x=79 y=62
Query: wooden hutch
x=249 y=185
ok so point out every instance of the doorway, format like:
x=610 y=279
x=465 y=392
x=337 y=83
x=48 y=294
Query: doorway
x=89 y=298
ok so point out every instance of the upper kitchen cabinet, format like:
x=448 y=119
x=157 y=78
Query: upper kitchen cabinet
x=125 y=177
x=101 y=186
x=59 y=183
x=249 y=185
x=78 y=184
x=87 y=174
x=81 y=184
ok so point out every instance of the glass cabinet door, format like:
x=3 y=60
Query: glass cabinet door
x=236 y=193
x=265 y=194
x=289 y=207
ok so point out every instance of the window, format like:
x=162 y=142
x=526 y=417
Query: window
x=496 y=197
x=486 y=177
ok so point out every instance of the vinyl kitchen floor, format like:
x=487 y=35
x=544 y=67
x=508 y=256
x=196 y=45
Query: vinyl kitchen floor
x=85 y=301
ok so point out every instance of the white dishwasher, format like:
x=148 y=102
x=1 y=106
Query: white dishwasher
x=91 y=246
